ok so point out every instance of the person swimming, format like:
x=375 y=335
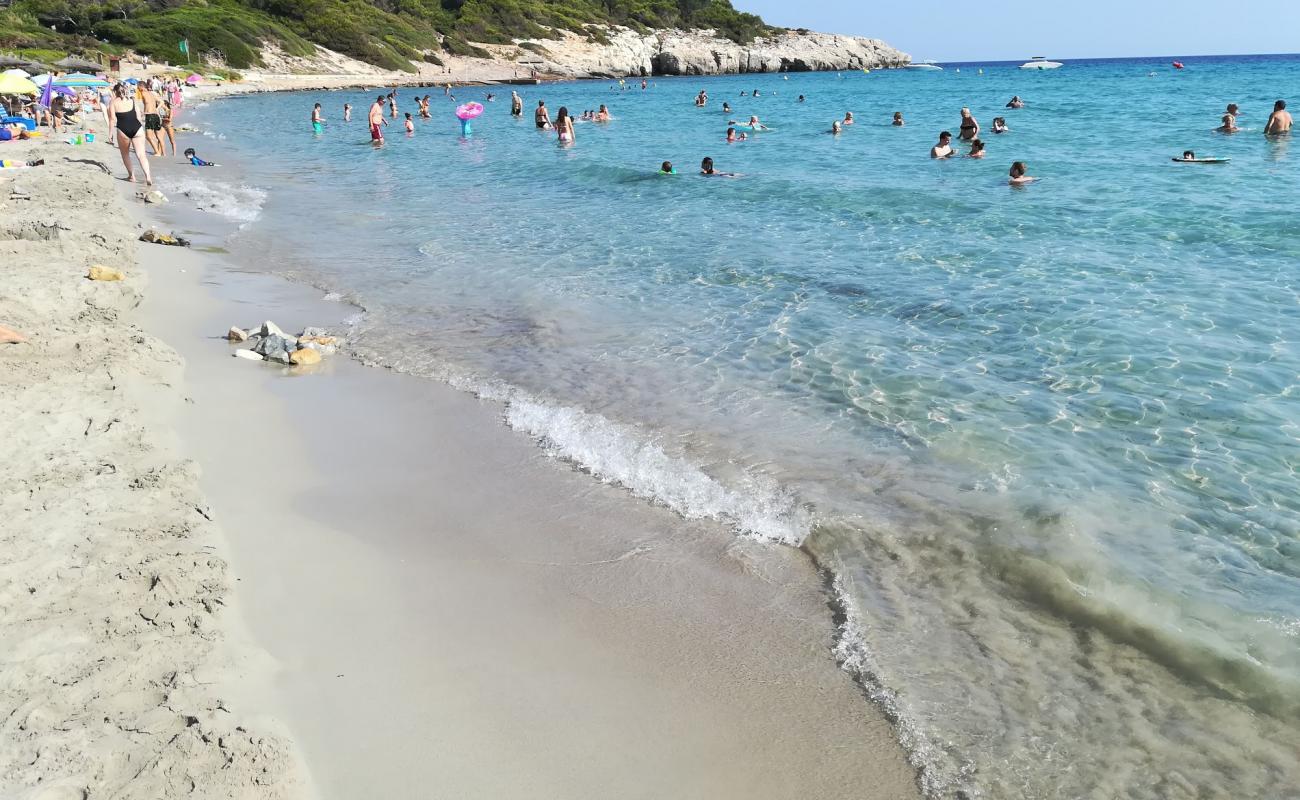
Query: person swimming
x=1189 y=155
x=726 y=107
x=976 y=149
x=707 y=170
x=701 y=99
x=848 y=117
x=731 y=135
x=666 y=168
x=195 y=161
x=801 y=99
x=898 y=119
x=835 y=128
x=1020 y=174
x=410 y=124
x=753 y=124
x=603 y=114
x=1016 y=102
x=1000 y=125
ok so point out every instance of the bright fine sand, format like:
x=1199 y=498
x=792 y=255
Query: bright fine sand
x=426 y=604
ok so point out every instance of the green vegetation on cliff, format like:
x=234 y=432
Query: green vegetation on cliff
x=389 y=33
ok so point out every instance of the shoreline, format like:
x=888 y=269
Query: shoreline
x=632 y=634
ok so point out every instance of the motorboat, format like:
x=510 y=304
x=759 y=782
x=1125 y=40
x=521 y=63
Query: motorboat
x=1041 y=62
x=923 y=66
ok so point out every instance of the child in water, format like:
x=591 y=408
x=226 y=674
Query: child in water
x=976 y=149
x=898 y=119
x=1000 y=125
x=707 y=170
x=410 y=124
x=667 y=168
x=195 y=161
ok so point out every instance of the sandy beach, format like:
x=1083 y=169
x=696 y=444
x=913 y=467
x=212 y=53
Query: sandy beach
x=419 y=600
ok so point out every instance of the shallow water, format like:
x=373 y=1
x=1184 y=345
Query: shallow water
x=1043 y=440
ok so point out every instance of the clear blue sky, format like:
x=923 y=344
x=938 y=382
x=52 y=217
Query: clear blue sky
x=997 y=30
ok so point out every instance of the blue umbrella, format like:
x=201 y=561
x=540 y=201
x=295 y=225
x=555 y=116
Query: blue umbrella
x=80 y=79
x=132 y=81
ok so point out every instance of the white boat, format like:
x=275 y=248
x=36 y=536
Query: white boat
x=1041 y=62
x=924 y=65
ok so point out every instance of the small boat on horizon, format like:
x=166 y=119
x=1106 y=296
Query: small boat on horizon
x=1041 y=62
x=923 y=66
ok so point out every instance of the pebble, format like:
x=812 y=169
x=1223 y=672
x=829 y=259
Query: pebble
x=237 y=334
x=248 y=354
x=155 y=197
x=102 y=273
x=270 y=344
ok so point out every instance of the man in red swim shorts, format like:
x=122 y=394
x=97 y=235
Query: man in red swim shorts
x=377 y=119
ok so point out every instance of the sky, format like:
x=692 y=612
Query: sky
x=1005 y=30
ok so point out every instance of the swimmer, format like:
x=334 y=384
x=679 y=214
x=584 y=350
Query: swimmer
x=743 y=137
x=643 y=84
x=1016 y=102
x=944 y=148
x=424 y=108
x=835 y=128
x=347 y=112
x=1229 y=120
x=726 y=107
x=317 y=121
x=731 y=135
x=516 y=104
x=1279 y=122
x=410 y=124
x=754 y=124
x=848 y=117
x=491 y=97
x=707 y=170
x=1189 y=155
x=392 y=104
x=667 y=168
x=898 y=119
x=603 y=114
x=801 y=98
x=564 y=125
x=701 y=99
x=755 y=93
x=976 y=149
x=970 y=129
x=541 y=116
x=1000 y=125
x=195 y=161
x=1019 y=174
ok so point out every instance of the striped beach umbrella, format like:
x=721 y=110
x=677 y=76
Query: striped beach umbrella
x=79 y=79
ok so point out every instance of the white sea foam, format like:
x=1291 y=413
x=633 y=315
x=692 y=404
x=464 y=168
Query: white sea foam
x=238 y=202
x=624 y=455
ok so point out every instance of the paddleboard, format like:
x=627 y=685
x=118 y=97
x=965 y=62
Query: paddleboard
x=1200 y=160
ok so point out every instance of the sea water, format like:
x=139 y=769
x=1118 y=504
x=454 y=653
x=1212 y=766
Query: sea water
x=1044 y=441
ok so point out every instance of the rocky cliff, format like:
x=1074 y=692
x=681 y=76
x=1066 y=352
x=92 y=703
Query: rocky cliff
x=629 y=53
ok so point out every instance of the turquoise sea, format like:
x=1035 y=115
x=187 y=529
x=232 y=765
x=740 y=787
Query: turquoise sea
x=1044 y=442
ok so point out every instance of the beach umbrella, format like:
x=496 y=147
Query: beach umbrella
x=80 y=79
x=215 y=78
x=41 y=80
x=132 y=81
x=15 y=71
x=193 y=79
x=80 y=64
x=12 y=84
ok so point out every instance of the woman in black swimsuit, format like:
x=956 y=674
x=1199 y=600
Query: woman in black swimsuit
x=970 y=129
x=124 y=117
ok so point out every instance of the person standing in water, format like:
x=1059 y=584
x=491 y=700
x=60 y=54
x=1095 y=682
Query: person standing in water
x=1279 y=122
x=541 y=116
x=317 y=121
x=944 y=148
x=701 y=99
x=564 y=125
x=1020 y=174
x=347 y=112
x=516 y=104
x=970 y=129
x=152 y=120
x=1229 y=120
x=603 y=114
x=376 y=119
x=410 y=125
x=976 y=149
x=392 y=105
x=898 y=120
